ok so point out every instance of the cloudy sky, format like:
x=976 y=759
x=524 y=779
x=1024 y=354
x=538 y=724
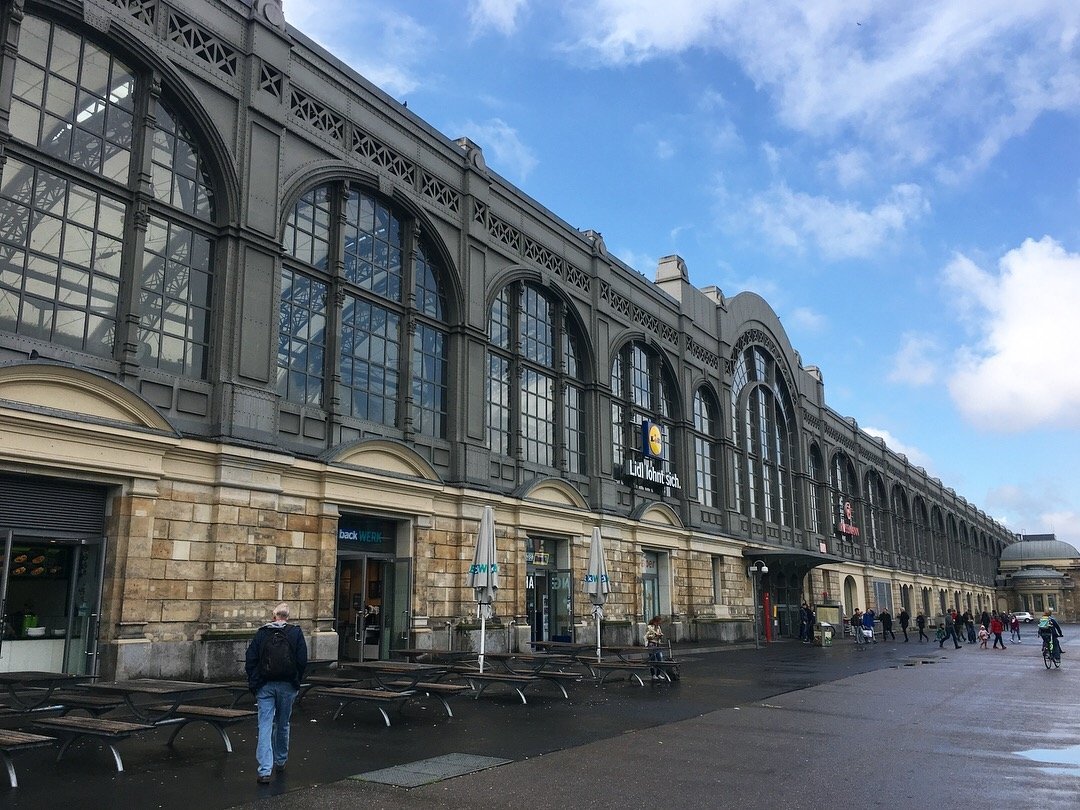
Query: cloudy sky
x=901 y=181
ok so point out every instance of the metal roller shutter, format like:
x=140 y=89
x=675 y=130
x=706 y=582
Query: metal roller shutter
x=52 y=505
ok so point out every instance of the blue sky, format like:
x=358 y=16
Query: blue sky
x=901 y=181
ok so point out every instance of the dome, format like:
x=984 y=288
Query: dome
x=1043 y=549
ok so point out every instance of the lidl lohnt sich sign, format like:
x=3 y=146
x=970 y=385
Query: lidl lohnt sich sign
x=652 y=447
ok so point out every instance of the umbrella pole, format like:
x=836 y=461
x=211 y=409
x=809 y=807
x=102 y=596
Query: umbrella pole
x=598 y=638
x=483 y=635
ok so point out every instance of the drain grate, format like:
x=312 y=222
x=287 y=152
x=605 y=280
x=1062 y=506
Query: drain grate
x=428 y=771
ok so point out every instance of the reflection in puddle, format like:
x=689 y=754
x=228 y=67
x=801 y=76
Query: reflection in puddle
x=1066 y=760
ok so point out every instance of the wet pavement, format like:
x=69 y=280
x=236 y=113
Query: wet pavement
x=894 y=724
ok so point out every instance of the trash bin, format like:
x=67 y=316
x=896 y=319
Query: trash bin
x=823 y=634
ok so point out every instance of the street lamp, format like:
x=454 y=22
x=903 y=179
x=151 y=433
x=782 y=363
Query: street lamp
x=756 y=569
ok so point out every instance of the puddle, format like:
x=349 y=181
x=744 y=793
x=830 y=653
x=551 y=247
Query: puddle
x=1058 y=760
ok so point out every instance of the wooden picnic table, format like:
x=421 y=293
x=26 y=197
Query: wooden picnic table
x=163 y=702
x=397 y=676
x=32 y=689
x=153 y=700
x=426 y=656
x=532 y=663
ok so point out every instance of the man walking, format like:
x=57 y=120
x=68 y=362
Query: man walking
x=920 y=622
x=950 y=630
x=886 y=624
x=275 y=663
x=905 y=620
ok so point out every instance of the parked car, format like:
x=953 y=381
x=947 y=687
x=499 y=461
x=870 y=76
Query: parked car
x=1024 y=616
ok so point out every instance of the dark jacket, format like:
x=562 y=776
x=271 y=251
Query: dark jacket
x=296 y=640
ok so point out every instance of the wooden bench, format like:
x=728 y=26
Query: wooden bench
x=516 y=682
x=12 y=741
x=94 y=705
x=108 y=731
x=669 y=670
x=441 y=691
x=377 y=697
x=216 y=716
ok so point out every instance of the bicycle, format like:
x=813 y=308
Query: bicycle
x=1050 y=652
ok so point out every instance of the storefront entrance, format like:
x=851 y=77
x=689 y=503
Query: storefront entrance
x=50 y=596
x=372 y=591
x=548 y=600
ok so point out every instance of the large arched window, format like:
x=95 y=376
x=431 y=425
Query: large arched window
x=875 y=510
x=901 y=518
x=706 y=454
x=68 y=276
x=387 y=347
x=921 y=532
x=819 y=499
x=845 y=496
x=641 y=389
x=765 y=432
x=535 y=388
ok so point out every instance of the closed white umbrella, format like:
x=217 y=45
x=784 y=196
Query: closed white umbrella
x=597 y=584
x=484 y=573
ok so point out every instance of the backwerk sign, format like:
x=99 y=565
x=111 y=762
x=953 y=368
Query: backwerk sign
x=652 y=447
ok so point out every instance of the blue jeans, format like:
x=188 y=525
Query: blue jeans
x=275 y=701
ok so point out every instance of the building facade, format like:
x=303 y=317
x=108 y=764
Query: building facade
x=266 y=335
x=1039 y=573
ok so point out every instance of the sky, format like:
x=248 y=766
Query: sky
x=900 y=181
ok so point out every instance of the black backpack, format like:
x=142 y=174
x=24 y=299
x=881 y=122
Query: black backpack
x=276 y=661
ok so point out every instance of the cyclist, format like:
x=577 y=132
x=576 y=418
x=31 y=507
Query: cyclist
x=1050 y=629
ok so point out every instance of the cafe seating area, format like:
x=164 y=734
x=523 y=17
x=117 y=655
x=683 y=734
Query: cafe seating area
x=81 y=715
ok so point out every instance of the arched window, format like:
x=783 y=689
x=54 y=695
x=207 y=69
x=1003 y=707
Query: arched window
x=766 y=435
x=953 y=535
x=641 y=389
x=535 y=383
x=66 y=202
x=845 y=497
x=819 y=520
x=901 y=517
x=921 y=533
x=390 y=352
x=706 y=454
x=875 y=510
x=937 y=535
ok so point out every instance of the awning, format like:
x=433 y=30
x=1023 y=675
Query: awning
x=798 y=556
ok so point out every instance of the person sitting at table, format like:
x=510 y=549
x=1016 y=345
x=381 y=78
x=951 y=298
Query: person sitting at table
x=275 y=663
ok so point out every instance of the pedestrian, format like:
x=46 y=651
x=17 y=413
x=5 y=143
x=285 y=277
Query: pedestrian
x=868 y=624
x=920 y=622
x=275 y=663
x=905 y=620
x=969 y=623
x=654 y=636
x=1014 y=628
x=886 y=624
x=984 y=636
x=856 y=625
x=950 y=630
x=997 y=627
x=805 y=623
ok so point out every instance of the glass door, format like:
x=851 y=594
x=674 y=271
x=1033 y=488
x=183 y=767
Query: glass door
x=373 y=606
x=650 y=586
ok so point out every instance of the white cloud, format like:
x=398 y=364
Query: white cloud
x=838 y=230
x=1038 y=508
x=503 y=148
x=502 y=16
x=807 y=319
x=1020 y=371
x=665 y=149
x=909 y=78
x=914 y=454
x=917 y=362
x=849 y=167
x=385 y=46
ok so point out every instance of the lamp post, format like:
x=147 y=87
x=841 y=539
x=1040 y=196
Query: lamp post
x=756 y=569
